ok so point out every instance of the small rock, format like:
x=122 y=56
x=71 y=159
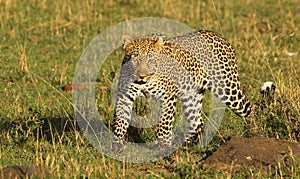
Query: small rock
x=76 y=87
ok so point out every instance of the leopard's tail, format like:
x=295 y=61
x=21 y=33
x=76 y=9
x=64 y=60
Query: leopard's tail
x=267 y=91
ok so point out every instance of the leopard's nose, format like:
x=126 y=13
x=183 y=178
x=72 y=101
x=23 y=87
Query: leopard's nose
x=142 y=72
x=142 y=79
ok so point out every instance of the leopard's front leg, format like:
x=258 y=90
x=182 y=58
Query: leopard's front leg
x=123 y=110
x=165 y=126
x=165 y=91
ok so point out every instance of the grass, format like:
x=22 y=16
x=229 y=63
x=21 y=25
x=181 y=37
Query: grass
x=41 y=42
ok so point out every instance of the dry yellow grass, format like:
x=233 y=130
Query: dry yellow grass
x=41 y=42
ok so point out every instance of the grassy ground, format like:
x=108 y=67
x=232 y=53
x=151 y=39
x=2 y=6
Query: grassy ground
x=41 y=41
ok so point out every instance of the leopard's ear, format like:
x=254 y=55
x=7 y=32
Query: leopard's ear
x=160 y=42
x=126 y=40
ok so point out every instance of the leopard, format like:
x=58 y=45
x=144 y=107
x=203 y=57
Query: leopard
x=181 y=67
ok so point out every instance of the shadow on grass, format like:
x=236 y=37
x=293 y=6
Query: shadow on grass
x=46 y=128
x=55 y=128
x=52 y=129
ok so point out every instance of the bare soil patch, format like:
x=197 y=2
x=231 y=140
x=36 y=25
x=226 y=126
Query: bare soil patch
x=260 y=153
x=22 y=171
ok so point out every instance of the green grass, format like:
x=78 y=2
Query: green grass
x=41 y=42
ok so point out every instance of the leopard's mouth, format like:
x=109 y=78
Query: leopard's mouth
x=143 y=79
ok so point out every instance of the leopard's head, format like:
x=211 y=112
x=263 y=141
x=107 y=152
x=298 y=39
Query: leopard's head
x=141 y=46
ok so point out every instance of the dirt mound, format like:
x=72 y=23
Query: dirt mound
x=22 y=171
x=258 y=153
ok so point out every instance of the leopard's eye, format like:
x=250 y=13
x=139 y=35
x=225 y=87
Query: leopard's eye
x=134 y=55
